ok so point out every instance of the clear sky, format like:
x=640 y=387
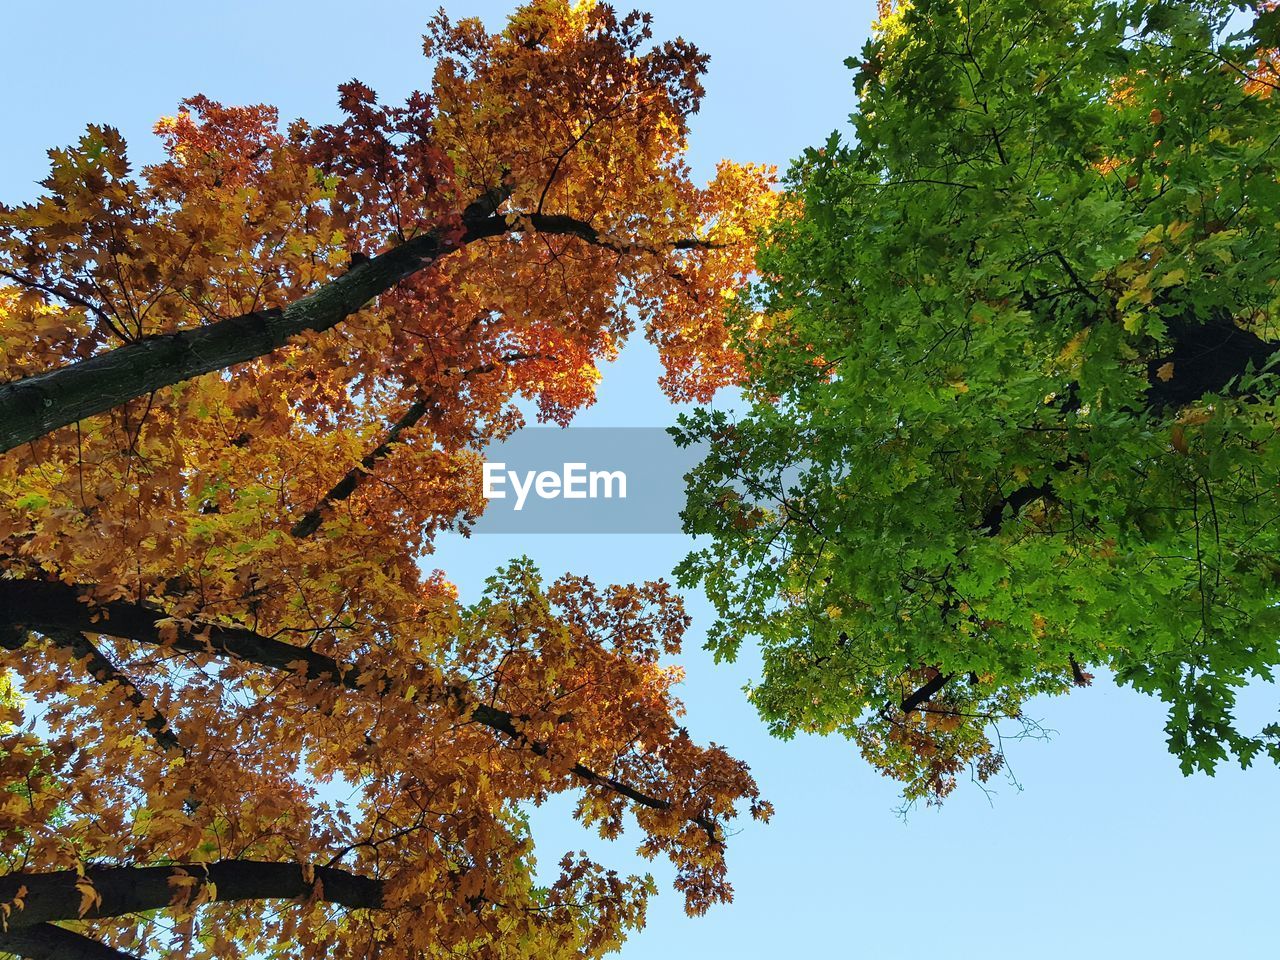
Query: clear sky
x=1107 y=851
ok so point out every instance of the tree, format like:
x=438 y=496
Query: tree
x=1013 y=411
x=242 y=391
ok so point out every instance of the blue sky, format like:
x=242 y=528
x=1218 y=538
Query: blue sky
x=1107 y=851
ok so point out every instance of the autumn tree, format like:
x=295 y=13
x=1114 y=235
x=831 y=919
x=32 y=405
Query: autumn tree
x=1014 y=405
x=241 y=390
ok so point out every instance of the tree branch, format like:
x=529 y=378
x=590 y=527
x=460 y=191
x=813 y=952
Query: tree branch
x=310 y=521
x=993 y=519
x=37 y=405
x=44 y=606
x=924 y=694
x=569 y=226
x=122 y=890
x=67 y=297
x=1206 y=356
x=104 y=671
x=44 y=941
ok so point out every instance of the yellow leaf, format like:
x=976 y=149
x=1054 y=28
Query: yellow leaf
x=89 y=897
x=1074 y=345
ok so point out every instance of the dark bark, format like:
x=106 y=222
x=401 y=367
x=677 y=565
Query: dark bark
x=35 y=406
x=1206 y=357
x=993 y=519
x=40 y=404
x=54 y=896
x=310 y=521
x=558 y=223
x=47 y=607
x=44 y=941
x=917 y=698
x=57 y=608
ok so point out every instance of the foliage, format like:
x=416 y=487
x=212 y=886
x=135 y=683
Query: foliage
x=1013 y=413
x=234 y=675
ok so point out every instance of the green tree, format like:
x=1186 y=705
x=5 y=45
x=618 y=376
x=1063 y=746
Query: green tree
x=1013 y=413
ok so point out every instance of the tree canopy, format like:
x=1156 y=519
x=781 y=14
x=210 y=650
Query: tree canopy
x=1013 y=406
x=241 y=391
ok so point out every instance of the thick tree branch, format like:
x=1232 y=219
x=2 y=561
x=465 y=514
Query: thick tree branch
x=37 y=405
x=44 y=607
x=55 y=896
x=34 y=406
x=1206 y=356
x=44 y=941
x=993 y=519
x=924 y=694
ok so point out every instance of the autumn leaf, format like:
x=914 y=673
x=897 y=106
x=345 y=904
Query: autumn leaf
x=90 y=898
x=211 y=554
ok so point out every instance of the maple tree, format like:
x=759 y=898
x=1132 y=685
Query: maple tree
x=241 y=390
x=1014 y=404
